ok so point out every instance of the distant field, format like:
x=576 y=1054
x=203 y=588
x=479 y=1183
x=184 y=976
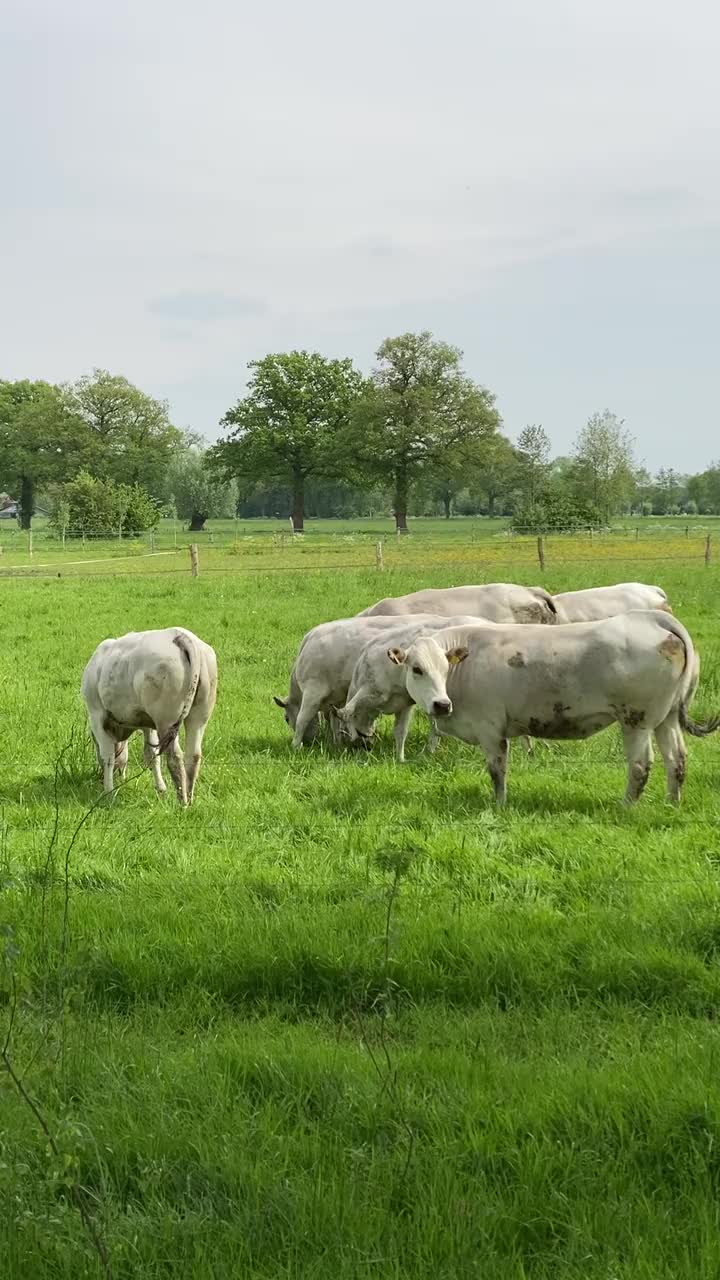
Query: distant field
x=342 y=1019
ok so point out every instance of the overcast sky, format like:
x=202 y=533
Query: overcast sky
x=188 y=186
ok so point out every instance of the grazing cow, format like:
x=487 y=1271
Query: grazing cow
x=323 y=669
x=487 y=684
x=595 y=603
x=154 y=681
x=377 y=687
x=495 y=602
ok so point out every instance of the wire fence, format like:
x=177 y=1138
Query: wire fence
x=226 y=553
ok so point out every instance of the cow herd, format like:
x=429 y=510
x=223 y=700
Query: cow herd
x=485 y=663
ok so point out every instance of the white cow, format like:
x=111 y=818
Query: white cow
x=377 y=687
x=495 y=601
x=595 y=603
x=323 y=669
x=487 y=684
x=154 y=681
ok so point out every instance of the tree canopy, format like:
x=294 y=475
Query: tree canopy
x=42 y=440
x=287 y=426
x=132 y=438
x=418 y=405
x=198 y=494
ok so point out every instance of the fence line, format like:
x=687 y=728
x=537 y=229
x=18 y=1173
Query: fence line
x=235 y=567
x=30 y=569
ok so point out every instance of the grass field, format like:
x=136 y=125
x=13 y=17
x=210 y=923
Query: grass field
x=342 y=1019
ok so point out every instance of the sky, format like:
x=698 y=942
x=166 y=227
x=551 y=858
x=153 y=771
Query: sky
x=186 y=187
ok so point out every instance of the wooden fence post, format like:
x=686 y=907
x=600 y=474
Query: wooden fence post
x=194 y=560
x=30 y=549
x=687 y=530
x=637 y=533
x=707 y=549
x=379 y=556
x=541 y=552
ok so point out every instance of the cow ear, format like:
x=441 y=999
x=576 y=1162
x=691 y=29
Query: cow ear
x=397 y=656
x=280 y=702
x=456 y=655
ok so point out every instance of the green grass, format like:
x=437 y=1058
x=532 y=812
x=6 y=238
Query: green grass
x=342 y=1018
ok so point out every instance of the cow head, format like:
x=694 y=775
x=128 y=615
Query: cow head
x=427 y=667
x=290 y=709
x=356 y=723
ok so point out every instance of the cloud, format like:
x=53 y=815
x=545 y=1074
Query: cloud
x=204 y=308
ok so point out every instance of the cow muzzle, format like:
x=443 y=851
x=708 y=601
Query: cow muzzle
x=442 y=707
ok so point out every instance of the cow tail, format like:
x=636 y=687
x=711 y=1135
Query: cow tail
x=691 y=726
x=691 y=676
x=188 y=647
x=544 y=596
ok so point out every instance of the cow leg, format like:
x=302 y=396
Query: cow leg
x=639 y=756
x=671 y=743
x=307 y=717
x=403 y=720
x=105 y=749
x=175 y=762
x=334 y=726
x=195 y=727
x=151 y=757
x=121 y=759
x=496 y=754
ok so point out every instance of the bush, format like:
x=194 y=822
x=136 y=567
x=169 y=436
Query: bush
x=87 y=505
x=555 y=513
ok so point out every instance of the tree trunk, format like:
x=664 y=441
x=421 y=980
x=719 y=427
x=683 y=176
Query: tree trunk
x=298 y=512
x=491 y=504
x=26 y=502
x=400 y=502
x=197 y=524
x=447 y=503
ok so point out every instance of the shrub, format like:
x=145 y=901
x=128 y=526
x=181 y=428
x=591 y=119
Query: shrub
x=555 y=512
x=87 y=505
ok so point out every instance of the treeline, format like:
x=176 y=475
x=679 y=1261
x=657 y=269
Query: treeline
x=313 y=436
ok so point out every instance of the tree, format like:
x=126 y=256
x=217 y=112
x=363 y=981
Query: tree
x=533 y=452
x=41 y=441
x=287 y=426
x=418 y=405
x=605 y=463
x=133 y=438
x=459 y=468
x=101 y=507
x=197 y=493
x=495 y=480
x=704 y=489
x=669 y=491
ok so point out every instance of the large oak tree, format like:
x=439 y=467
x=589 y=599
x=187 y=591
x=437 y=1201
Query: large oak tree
x=288 y=424
x=418 y=408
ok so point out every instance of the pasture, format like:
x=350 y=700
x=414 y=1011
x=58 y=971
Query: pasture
x=342 y=1018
